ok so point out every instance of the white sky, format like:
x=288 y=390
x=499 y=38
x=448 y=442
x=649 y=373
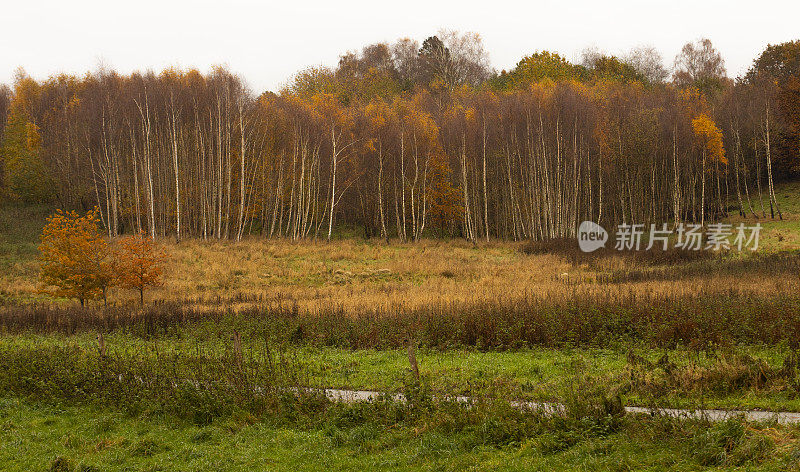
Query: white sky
x=267 y=42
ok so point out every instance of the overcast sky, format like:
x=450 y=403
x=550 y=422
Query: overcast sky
x=266 y=42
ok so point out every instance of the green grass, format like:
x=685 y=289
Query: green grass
x=779 y=234
x=20 y=228
x=788 y=197
x=52 y=437
x=540 y=374
x=85 y=436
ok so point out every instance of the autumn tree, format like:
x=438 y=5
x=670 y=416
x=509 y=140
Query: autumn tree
x=543 y=65
x=405 y=56
x=378 y=142
x=647 y=61
x=451 y=59
x=25 y=176
x=700 y=65
x=614 y=69
x=443 y=197
x=709 y=139
x=776 y=73
x=381 y=123
x=337 y=122
x=138 y=264
x=781 y=62
x=789 y=105
x=75 y=258
x=5 y=101
x=367 y=75
x=469 y=60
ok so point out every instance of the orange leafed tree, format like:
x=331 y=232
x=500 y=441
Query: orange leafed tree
x=139 y=264
x=444 y=198
x=710 y=138
x=75 y=258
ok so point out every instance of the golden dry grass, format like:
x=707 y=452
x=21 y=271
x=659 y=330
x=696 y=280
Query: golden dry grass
x=353 y=274
x=357 y=274
x=360 y=275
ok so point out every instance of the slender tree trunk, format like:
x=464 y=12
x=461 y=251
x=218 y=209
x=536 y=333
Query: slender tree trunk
x=703 y=192
x=737 y=152
x=485 y=194
x=773 y=202
x=384 y=233
x=333 y=181
x=241 y=171
x=177 y=172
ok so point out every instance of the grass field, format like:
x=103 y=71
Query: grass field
x=499 y=321
x=42 y=437
x=357 y=274
x=709 y=379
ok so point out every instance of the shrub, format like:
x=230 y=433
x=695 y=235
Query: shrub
x=75 y=257
x=138 y=264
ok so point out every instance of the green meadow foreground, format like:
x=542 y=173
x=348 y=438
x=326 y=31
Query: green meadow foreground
x=47 y=437
x=220 y=369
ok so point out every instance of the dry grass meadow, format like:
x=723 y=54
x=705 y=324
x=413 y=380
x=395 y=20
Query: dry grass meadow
x=355 y=274
x=358 y=275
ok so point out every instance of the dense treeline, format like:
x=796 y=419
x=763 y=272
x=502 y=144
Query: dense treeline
x=403 y=140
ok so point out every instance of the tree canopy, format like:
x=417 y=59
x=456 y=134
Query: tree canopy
x=405 y=140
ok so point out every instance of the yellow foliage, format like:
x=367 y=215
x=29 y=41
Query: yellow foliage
x=33 y=140
x=139 y=264
x=75 y=258
x=709 y=137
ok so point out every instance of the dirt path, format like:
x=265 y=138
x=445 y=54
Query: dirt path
x=782 y=417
